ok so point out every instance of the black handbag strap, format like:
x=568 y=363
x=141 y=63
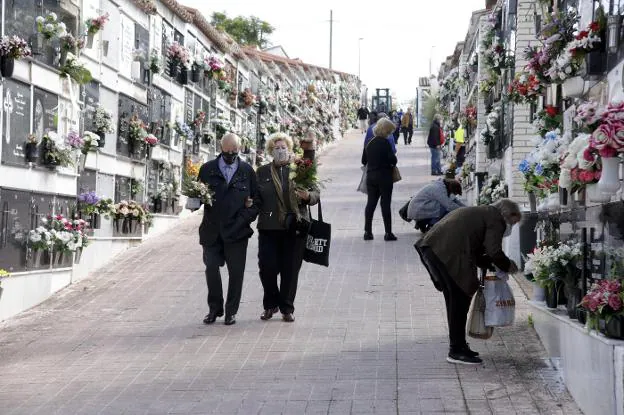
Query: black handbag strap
x=319 y=212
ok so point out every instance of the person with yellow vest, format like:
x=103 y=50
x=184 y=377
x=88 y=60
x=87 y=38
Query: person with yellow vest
x=407 y=126
x=460 y=146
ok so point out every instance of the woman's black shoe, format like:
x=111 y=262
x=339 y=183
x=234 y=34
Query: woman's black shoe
x=368 y=236
x=390 y=237
x=269 y=313
x=466 y=350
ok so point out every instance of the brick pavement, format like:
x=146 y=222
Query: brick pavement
x=370 y=335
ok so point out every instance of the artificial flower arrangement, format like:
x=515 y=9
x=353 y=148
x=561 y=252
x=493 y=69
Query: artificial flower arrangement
x=492 y=53
x=88 y=202
x=493 y=190
x=449 y=87
x=154 y=62
x=50 y=27
x=103 y=120
x=136 y=129
x=603 y=301
x=200 y=118
x=95 y=24
x=524 y=88
x=183 y=130
x=489 y=133
x=580 y=165
x=247 y=98
x=55 y=151
x=151 y=140
x=608 y=136
x=60 y=234
x=195 y=189
x=541 y=168
x=90 y=141
x=552 y=263
x=75 y=70
x=14 y=47
x=129 y=209
x=70 y=44
x=179 y=55
x=548 y=119
x=74 y=141
x=469 y=116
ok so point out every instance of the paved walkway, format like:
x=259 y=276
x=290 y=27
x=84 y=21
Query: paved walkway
x=370 y=335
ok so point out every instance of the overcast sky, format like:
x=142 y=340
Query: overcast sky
x=399 y=36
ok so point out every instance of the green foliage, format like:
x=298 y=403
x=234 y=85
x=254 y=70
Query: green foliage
x=250 y=31
x=430 y=108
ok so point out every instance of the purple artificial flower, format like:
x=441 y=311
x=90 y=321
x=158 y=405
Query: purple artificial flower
x=74 y=140
x=88 y=198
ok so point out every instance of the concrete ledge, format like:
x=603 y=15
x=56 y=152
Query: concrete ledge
x=592 y=364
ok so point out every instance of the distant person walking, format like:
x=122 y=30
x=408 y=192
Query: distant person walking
x=362 y=115
x=379 y=160
x=434 y=141
x=396 y=116
x=407 y=126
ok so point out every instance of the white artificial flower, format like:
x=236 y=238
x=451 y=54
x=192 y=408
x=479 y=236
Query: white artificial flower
x=53 y=16
x=40 y=19
x=34 y=236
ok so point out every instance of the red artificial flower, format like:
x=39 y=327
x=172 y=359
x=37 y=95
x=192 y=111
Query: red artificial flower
x=551 y=111
x=583 y=34
x=597 y=174
x=594 y=26
x=607 y=152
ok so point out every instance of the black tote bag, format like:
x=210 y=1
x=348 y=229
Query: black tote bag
x=318 y=240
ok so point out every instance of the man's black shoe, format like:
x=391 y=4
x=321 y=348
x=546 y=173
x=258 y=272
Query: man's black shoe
x=230 y=319
x=211 y=317
x=268 y=313
x=368 y=236
x=462 y=358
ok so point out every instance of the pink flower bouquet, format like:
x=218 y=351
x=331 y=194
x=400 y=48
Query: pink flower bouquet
x=603 y=301
x=95 y=24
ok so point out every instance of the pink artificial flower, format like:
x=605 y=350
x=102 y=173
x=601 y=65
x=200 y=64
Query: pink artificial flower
x=614 y=112
x=587 y=154
x=151 y=139
x=597 y=174
x=615 y=302
x=586 y=176
x=613 y=286
x=603 y=136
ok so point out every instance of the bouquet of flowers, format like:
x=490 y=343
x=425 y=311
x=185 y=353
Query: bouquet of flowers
x=105 y=207
x=103 y=120
x=214 y=67
x=136 y=129
x=40 y=239
x=548 y=119
x=179 y=55
x=74 y=141
x=200 y=118
x=493 y=190
x=70 y=44
x=588 y=116
x=604 y=300
x=154 y=62
x=88 y=203
x=14 y=47
x=303 y=173
x=247 y=98
x=55 y=151
x=129 y=210
x=580 y=165
x=193 y=188
x=75 y=70
x=608 y=138
x=491 y=126
x=90 y=141
x=183 y=130
x=50 y=27
x=151 y=140
x=551 y=263
x=524 y=88
x=95 y=24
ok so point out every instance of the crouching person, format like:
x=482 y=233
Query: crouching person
x=433 y=202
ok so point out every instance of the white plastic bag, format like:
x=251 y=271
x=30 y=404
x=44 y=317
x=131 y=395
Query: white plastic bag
x=500 y=305
x=476 y=326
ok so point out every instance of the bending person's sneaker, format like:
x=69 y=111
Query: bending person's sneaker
x=463 y=358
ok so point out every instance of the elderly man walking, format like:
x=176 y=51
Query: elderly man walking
x=226 y=227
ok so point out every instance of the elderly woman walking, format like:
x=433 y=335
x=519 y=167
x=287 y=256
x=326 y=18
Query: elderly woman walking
x=465 y=239
x=282 y=228
x=379 y=159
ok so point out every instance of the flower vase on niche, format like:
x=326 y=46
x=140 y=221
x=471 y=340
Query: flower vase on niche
x=35 y=258
x=614 y=327
x=94 y=221
x=196 y=73
x=78 y=256
x=90 y=37
x=573 y=87
x=31 y=152
x=37 y=43
x=174 y=69
x=573 y=296
x=82 y=161
x=117 y=224
x=183 y=76
x=539 y=293
x=63 y=57
x=158 y=205
x=595 y=195
x=7 y=64
x=553 y=201
x=563 y=196
x=609 y=182
x=102 y=139
x=532 y=202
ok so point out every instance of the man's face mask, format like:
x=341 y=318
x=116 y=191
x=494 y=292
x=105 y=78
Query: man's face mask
x=230 y=157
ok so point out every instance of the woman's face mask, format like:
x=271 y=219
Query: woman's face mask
x=281 y=155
